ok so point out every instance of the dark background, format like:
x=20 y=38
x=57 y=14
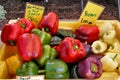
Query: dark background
x=65 y=9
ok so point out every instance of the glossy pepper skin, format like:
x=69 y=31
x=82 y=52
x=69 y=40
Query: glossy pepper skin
x=44 y=36
x=71 y=50
x=10 y=33
x=48 y=54
x=27 y=69
x=90 y=68
x=87 y=33
x=29 y=47
x=50 y=23
x=55 y=69
x=26 y=24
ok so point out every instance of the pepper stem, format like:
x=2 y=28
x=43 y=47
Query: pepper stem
x=97 y=47
x=93 y=68
x=75 y=47
x=43 y=29
x=115 y=57
x=21 y=24
x=11 y=42
x=46 y=29
x=41 y=71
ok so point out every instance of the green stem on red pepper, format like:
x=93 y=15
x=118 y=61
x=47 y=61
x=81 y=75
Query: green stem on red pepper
x=21 y=24
x=46 y=29
x=75 y=47
x=10 y=33
x=71 y=50
x=11 y=42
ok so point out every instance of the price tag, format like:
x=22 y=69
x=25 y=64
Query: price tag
x=91 y=13
x=39 y=77
x=34 y=13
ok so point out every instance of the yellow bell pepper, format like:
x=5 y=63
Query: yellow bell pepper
x=109 y=76
x=112 y=54
x=3 y=70
x=13 y=63
x=7 y=51
x=109 y=63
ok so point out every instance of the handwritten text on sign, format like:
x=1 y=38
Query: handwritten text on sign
x=34 y=13
x=91 y=13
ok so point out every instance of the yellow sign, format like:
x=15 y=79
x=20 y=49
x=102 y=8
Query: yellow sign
x=34 y=13
x=91 y=13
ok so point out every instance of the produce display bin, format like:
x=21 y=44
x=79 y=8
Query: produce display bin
x=67 y=24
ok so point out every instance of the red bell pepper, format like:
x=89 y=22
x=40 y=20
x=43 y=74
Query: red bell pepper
x=29 y=47
x=26 y=24
x=87 y=33
x=10 y=33
x=71 y=50
x=50 y=23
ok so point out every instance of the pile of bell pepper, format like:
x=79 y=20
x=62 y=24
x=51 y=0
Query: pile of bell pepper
x=51 y=51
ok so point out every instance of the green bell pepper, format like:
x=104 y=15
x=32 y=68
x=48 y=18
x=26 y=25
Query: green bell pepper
x=44 y=36
x=48 y=53
x=53 y=53
x=55 y=69
x=27 y=69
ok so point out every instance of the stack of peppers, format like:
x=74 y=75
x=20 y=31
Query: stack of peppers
x=39 y=56
x=34 y=48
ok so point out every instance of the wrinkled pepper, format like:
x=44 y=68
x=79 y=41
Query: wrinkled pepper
x=48 y=54
x=11 y=32
x=55 y=69
x=50 y=23
x=29 y=47
x=87 y=33
x=44 y=36
x=27 y=69
x=71 y=50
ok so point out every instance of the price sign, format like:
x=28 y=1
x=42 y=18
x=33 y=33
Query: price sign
x=39 y=77
x=91 y=13
x=34 y=13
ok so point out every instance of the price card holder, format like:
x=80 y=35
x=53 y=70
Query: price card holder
x=34 y=13
x=91 y=13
